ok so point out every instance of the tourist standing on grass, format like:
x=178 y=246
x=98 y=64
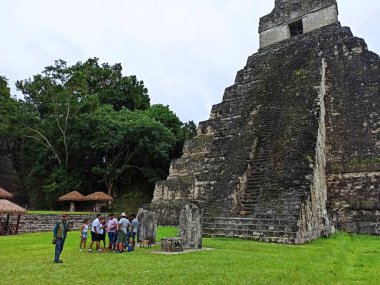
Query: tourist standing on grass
x=83 y=235
x=122 y=231
x=112 y=230
x=60 y=233
x=135 y=225
x=95 y=228
x=127 y=239
x=102 y=231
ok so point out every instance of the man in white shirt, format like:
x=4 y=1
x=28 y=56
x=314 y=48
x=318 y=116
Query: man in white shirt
x=95 y=229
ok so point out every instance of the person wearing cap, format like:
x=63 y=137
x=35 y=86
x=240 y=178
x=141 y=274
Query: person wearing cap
x=60 y=234
x=122 y=231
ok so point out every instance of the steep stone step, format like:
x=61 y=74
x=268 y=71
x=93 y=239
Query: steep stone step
x=249 y=233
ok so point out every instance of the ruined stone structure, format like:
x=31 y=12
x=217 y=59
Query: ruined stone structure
x=147 y=226
x=190 y=226
x=172 y=244
x=293 y=150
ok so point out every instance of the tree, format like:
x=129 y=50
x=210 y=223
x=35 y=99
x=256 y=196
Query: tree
x=111 y=87
x=119 y=137
x=9 y=108
x=169 y=119
x=54 y=98
x=88 y=126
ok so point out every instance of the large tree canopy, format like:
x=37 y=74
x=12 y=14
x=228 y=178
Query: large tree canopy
x=89 y=126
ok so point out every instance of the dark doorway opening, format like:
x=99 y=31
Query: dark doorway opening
x=296 y=28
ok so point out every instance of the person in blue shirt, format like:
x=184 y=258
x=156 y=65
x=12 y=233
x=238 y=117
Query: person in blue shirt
x=60 y=234
x=135 y=225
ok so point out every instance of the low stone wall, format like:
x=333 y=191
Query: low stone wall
x=33 y=223
x=354 y=201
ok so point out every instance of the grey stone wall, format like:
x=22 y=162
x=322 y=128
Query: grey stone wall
x=45 y=223
x=314 y=15
x=286 y=11
x=354 y=201
x=353 y=136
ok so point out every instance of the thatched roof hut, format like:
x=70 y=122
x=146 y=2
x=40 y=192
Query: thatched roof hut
x=5 y=194
x=98 y=197
x=71 y=197
x=8 y=208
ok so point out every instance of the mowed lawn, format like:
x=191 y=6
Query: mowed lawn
x=339 y=259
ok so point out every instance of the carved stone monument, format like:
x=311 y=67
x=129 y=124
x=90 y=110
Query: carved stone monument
x=147 y=226
x=190 y=225
x=172 y=244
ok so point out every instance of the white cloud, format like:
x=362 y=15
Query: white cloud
x=187 y=52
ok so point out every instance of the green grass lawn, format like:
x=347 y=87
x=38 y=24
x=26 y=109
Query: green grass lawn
x=339 y=259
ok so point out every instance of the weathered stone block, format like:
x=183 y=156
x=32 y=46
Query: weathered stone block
x=147 y=226
x=190 y=226
x=172 y=244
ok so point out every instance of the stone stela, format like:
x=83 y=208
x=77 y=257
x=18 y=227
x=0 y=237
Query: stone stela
x=147 y=226
x=190 y=227
x=292 y=152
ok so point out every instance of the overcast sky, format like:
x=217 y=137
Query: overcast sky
x=186 y=51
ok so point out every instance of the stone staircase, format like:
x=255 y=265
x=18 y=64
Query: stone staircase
x=268 y=228
x=262 y=164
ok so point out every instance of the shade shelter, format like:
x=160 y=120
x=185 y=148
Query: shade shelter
x=98 y=198
x=71 y=197
x=5 y=194
x=9 y=208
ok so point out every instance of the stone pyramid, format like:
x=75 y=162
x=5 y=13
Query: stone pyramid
x=293 y=150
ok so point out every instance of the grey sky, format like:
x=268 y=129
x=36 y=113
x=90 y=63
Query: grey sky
x=186 y=52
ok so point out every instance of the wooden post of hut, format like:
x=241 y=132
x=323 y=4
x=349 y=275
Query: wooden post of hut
x=98 y=198
x=8 y=208
x=71 y=197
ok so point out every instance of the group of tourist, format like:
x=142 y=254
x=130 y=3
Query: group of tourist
x=121 y=232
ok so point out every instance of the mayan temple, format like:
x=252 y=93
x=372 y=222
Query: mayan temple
x=292 y=152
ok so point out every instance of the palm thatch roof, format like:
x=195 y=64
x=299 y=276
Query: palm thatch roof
x=72 y=196
x=10 y=208
x=98 y=196
x=5 y=194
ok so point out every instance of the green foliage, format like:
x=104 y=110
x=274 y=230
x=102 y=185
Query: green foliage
x=363 y=162
x=111 y=87
x=300 y=74
x=124 y=140
x=5 y=91
x=88 y=127
x=9 y=111
x=60 y=181
x=339 y=259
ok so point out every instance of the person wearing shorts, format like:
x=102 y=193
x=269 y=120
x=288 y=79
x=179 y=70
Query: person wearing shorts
x=83 y=235
x=102 y=231
x=122 y=231
x=95 y=228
